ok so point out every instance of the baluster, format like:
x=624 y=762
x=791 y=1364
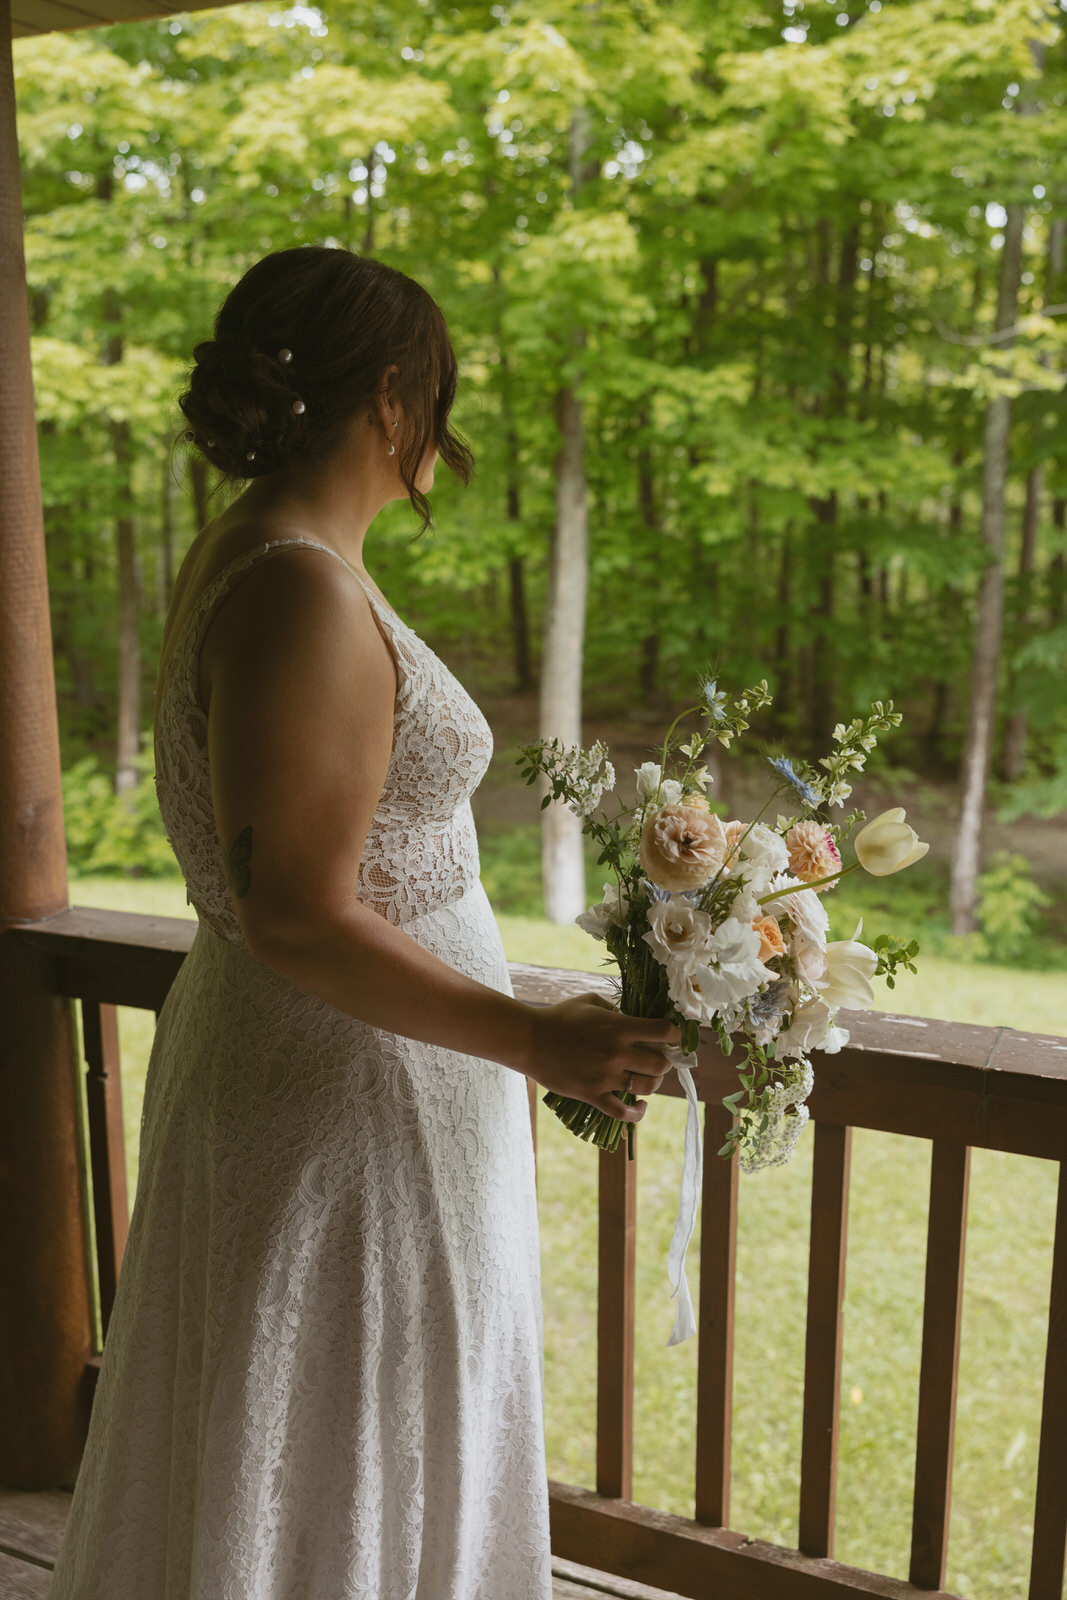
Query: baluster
x=615 y=1324
x=946 y=1233
x=107 y=1152
x=1050 y=1510
x=831 y=1168
x=715 y=1322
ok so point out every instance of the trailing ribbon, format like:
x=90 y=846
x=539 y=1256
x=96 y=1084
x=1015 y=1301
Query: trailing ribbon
x=688 y=1198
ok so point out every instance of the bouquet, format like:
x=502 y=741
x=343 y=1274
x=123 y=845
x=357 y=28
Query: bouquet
x=722 y=924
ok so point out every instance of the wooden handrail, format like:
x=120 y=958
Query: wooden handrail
x=956 y=1084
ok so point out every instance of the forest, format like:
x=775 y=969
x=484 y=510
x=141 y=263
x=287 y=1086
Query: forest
x=761 y=313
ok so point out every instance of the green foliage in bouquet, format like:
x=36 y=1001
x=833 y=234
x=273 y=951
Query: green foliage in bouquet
x=721 y=925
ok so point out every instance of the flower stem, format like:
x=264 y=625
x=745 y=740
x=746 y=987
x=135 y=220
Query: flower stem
x=816 y=883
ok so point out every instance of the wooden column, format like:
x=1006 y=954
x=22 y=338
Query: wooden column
x=44 y=1289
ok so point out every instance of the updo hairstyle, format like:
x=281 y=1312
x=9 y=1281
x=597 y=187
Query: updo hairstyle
x=300 y=346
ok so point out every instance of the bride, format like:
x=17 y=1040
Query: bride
x=322 y=1377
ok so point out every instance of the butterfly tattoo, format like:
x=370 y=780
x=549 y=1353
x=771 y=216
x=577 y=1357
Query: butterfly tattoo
x=239 y=863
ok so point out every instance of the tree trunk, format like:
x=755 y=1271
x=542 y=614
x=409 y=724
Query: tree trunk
x=562 y=857
x=520 y=622
x=782 y=696
x=129 y=708
x=128 y=731
x=989 y=613
x=1057 y=576
x=648 y=668
x=198 y=491
x=1015 y=733
x=165 y=565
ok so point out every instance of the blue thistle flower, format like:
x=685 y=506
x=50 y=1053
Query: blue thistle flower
x=801 y=788
x=714 y=699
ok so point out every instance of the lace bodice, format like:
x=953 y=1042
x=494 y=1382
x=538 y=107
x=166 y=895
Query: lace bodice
x=421 y=851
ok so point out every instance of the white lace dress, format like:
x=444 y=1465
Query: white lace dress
x=322 y=1378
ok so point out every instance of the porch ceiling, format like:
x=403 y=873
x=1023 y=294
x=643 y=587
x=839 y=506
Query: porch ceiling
x=30 y=17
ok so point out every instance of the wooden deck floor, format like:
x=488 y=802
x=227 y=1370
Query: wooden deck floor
x=31 y=1525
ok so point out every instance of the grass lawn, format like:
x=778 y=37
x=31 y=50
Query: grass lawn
x=1004 y=1318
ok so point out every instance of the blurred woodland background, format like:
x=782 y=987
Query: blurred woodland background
x=761 y=313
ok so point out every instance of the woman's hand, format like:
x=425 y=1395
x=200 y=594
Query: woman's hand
x=587 y=1049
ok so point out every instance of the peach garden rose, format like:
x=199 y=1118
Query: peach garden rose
x=682 y=847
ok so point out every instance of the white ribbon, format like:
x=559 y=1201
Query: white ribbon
x=685 y=1324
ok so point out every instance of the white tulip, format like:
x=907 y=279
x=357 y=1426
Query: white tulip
x=887 y=844
x=850 y=966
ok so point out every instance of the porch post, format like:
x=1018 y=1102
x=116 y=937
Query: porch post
x=45 y=1331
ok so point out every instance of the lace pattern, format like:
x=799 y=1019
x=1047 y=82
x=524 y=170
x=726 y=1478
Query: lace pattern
x=422 y=849
x=322 y=1378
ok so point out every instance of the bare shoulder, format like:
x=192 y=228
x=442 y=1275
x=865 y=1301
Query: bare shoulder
x=297 y=614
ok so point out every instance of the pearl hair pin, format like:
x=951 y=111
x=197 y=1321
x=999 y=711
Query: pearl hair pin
x=298 y=408
x=251 y=456
x=285 y=356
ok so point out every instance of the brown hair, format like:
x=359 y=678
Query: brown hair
x=343 y=319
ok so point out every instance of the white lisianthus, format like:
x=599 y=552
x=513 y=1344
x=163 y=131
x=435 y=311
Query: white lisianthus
x=610 y=913
x=850 y=966
x=677 y=930
x=728 y=971
x=887 y=844
x=812 y=1028
x=648 y=777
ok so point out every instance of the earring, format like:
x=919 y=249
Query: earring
x=391 y=450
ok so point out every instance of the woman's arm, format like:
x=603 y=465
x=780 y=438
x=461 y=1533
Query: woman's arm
x=302 y=690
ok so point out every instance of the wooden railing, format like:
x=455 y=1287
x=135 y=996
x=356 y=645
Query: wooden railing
x=959 y=1086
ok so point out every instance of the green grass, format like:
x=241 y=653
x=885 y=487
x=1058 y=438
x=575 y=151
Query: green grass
x=1004 y=1317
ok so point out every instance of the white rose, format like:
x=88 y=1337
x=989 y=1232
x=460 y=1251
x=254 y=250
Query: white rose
x=610 y=913
x=684 y=990
x=804 y=909
x=887 y=844
x=677 y=929
x=850 y=966
x=765 y=848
